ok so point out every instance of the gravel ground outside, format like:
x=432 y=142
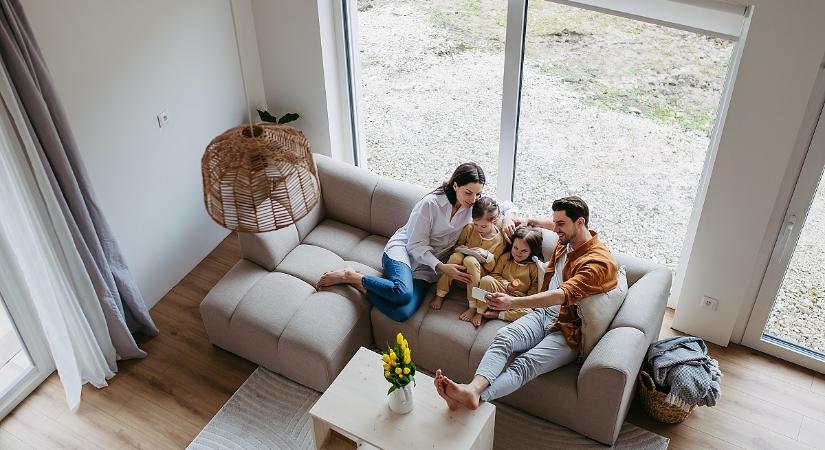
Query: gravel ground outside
x=616 y=111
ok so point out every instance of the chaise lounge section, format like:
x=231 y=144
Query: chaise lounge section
x=267 y=310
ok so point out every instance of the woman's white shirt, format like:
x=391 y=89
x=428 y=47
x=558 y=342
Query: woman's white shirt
x=429 y=235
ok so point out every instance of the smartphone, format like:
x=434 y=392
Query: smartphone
x=479 y=293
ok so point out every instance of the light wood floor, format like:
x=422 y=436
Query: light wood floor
x=164 y=400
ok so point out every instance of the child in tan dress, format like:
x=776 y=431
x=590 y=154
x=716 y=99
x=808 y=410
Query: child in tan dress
x=479 y=246
x=516 y=273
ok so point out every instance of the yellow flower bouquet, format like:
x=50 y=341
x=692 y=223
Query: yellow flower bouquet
x=399 y=369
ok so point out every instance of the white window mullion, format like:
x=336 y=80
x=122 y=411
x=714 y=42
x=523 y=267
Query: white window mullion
x=511 y=96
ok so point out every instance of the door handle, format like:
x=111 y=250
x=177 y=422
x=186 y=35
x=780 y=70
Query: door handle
x=787 y=230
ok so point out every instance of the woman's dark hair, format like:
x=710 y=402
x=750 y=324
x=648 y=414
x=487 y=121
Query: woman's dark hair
x=574 y=207
x=486 y=208
x=463 y=175
x=532 y=237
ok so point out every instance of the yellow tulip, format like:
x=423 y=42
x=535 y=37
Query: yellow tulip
x=406 y=370
x=386 y=374
x=399 y=338
x=398 y=370
x=407 y=359
x=405 y=344
x=393 y=356
x=386 y=367
x=386 y=357
x=394 y=363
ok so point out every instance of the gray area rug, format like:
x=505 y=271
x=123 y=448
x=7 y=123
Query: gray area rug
x=271 y=412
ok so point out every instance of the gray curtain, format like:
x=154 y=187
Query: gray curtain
x=122 y=304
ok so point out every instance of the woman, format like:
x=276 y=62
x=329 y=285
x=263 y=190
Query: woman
x=413 y=256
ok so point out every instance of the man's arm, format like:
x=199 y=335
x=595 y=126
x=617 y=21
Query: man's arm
x=541 y=300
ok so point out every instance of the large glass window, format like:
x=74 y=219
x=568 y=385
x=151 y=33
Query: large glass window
x=429 y=86
x=552 y=100
x=618 y=112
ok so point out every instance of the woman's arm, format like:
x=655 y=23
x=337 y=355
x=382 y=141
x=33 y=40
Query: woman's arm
x=418 y=242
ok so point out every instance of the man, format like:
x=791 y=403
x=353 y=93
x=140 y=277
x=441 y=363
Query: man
x=547 y=338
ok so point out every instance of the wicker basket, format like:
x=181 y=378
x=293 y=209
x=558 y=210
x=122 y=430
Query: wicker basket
x=654 y=404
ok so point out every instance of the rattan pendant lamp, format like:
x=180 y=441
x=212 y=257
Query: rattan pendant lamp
x=258 y=177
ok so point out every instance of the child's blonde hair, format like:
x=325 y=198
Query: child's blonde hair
x=486 y=208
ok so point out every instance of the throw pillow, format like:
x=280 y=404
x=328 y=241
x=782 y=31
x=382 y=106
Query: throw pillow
x=597 y=313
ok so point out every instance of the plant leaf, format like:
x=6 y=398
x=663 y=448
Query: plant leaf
x=288 y=117
x=267 y=117
x=392 y=388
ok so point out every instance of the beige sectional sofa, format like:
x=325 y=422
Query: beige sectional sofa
x=267 y=310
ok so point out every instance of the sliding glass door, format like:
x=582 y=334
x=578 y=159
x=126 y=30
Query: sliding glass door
x=612 y=100
x=788 y=318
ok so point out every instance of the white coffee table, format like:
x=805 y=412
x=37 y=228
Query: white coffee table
x=355 y=405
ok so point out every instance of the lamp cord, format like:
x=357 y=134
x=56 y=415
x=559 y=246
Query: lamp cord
x=240 y=64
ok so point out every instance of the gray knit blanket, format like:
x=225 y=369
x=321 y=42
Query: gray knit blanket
x=682 y=364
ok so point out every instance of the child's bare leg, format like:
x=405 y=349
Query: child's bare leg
x=490 y=314
x=467 y=315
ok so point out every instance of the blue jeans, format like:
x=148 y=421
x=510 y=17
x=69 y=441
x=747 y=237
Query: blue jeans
x=539 y=351
x=398 y=295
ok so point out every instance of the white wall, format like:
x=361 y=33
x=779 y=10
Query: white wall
x=116 y=65
x=289 y=41
x=747 y=187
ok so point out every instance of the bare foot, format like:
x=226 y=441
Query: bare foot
x=436 y=303
x=439 y=386
x=463 y=394
x=347 y=275
x=468 y=314
x=490 y=314
x=477 y=320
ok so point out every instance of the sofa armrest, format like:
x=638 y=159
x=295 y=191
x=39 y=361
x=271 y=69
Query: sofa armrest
x=644 y=306
x=607 y=378
x=270 y=248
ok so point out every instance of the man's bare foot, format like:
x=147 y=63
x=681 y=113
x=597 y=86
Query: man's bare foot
x=490 y=314
x=477 y=320
x=347 y=275
x=439 y=386
x=468 y=314
x=436 y=303
x=463 y=394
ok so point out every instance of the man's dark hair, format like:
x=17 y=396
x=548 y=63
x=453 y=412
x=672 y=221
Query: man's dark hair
x=574 y=207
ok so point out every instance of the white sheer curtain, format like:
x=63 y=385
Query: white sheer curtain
x=39 y=263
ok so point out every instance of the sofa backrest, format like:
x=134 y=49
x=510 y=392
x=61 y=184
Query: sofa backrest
x=356 y=197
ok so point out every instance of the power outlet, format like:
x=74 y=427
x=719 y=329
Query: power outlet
x=710 y=303
x=163 y=119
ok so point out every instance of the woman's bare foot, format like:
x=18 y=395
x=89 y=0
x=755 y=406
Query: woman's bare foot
x=439 y=386
x=347 y=275
x=436 y=302
x=463 y=394
x=468 y=314
x=490 y=314
x=477 y=320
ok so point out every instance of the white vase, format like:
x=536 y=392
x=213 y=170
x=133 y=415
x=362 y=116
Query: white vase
x=401 y=399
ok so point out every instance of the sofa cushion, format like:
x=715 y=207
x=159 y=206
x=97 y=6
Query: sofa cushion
x=597 y=313
x=266 y=309
x=347 y=191
x=392 y=203
x=270 y=248
x=335 y=236
x=369 y=252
